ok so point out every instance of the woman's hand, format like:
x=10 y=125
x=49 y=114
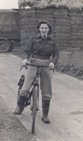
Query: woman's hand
x=51 y=65
x=24 y=62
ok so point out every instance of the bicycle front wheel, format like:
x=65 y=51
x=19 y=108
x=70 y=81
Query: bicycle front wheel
x=35 y=106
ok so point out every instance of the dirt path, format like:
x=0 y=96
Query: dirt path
x=66 y=113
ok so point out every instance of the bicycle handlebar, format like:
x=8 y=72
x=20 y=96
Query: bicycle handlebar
x=38 y=66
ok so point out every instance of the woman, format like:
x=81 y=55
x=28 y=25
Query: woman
x=41 y=50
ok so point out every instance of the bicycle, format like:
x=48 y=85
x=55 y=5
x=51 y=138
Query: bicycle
x=33 y=93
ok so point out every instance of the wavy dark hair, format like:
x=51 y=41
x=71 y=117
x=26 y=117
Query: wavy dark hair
x=44 y=22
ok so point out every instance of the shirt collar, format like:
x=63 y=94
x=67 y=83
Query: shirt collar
x=39 y=36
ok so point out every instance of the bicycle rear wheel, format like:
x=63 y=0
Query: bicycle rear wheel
x=35 y=106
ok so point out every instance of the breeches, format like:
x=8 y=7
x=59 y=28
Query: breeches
x=45 y=78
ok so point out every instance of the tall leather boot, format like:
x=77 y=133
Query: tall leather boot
x=20 y=105
x=45 y=108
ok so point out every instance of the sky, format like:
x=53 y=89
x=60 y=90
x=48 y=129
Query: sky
x=8 y=4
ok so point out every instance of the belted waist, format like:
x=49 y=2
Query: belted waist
x=38 y=61
x=40 y=57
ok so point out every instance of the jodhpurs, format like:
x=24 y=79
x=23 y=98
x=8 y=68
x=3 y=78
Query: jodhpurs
x=45 y=78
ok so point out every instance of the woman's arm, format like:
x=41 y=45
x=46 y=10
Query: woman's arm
x=55 y=54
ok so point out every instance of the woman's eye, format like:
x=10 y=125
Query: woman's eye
x=44 y=28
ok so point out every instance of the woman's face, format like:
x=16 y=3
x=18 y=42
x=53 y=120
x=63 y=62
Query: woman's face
x=44 y=29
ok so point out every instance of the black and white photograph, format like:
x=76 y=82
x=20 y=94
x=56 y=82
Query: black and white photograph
x=41 y=70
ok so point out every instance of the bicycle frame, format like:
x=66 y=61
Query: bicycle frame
x=34 y=100
x=35 y=83
x=34 y=90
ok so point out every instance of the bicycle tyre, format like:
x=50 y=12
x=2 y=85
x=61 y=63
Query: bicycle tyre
x=34 y=109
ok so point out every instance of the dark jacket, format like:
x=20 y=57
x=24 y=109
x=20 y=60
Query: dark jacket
x=42 y=48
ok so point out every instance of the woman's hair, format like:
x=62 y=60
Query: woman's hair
x=43 y=22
